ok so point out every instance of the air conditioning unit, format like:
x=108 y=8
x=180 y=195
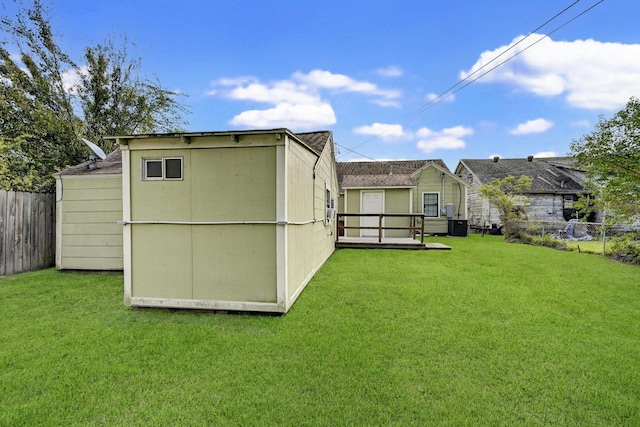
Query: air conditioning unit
x=331 y=213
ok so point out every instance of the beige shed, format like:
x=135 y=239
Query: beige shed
x=88 y=207
x=237 y=220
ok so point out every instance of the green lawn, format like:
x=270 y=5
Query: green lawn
x=486 y=334
x=591 y=246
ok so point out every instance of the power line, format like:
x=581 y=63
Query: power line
x=457 y=87
x=449 y=92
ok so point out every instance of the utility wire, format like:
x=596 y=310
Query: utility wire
x=447 y=93
x=457 y=87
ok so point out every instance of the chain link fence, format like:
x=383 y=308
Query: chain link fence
x=582 y=236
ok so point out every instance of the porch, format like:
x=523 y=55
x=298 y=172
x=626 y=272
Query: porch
x=379 y=241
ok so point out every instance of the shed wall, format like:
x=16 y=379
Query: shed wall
x=310 y=236
x=89 y=208
x=231 y=262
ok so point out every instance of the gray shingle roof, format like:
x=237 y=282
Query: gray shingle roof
x=316 y=140
x=391 y=173
x=112 y=164
x=366 y=181
x=550 y=174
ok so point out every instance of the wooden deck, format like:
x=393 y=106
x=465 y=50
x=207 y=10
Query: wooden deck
x=387 y=243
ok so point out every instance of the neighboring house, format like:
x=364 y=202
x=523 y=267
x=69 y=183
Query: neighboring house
x=225 y=220
x=556 y=185
x=403 y=186
x=88 y=207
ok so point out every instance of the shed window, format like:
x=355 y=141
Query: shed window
x=430 y=205
x=152 y=169
x=167 y=168
x=173 y=168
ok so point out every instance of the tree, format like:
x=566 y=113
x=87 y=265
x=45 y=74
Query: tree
x=506 y=195
x=116 y=101
x=47 y=101
x=610 y=157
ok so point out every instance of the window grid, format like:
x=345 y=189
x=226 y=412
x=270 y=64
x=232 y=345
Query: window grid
x=166 y=168
x=430 y=205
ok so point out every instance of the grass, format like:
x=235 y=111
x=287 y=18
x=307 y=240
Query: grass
x=486 y=334
x=591 y=246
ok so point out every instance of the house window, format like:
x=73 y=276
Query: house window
x=330 y=205
x=430 y=205
x=167 y=168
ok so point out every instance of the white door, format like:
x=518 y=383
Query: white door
x=371 y=202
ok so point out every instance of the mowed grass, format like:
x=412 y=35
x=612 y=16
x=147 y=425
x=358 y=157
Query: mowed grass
x=591 y=246
x=489 y=333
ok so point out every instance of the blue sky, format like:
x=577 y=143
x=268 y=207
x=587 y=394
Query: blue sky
x=368 y=70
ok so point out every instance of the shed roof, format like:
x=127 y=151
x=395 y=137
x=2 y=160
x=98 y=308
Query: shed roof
x=549 y=174
x=112 y=164
x=316 y=140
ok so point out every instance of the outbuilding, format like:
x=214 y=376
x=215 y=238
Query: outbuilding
x=234 y=220
x=88 y=207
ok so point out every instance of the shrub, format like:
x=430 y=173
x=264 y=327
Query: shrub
x=549 y=241
x=626 y=250
x=519 y=236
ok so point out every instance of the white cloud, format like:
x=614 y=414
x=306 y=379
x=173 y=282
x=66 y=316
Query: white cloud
x=588 y=73
x=387 y=103
x=294 y=116
x=276 y=93
x=71 y=78
x=327 y=80
x=298 y=102
x=382 y=130
x=546 y=154
x=391 y=71
x=446 y=139
x=444 y=98
x=532 y=126
x=234 y=81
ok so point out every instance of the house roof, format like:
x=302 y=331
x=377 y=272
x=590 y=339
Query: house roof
x=549 y=174
x=366 y=181
x=392 y=173
x=112 y=164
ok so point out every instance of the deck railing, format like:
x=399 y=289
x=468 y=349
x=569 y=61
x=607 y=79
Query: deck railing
x=413 y=223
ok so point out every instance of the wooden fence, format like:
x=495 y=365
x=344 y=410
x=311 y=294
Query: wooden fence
x=27 y=231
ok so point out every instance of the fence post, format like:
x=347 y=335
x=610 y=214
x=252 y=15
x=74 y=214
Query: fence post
x=604 y=239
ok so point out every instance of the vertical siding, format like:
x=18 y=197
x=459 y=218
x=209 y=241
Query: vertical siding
x=304 y=199
x=234 y=262
x=397 y=200
x=309 y=245
x=325 y=231
x=89 y=208
x=352 y=205
x=481 y=214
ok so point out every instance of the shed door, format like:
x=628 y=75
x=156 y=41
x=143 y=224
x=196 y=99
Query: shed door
x=371 y=202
